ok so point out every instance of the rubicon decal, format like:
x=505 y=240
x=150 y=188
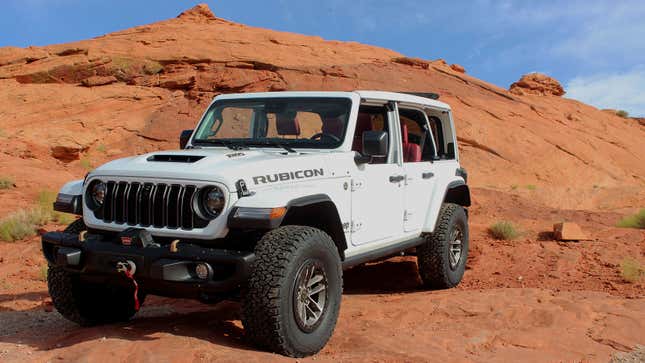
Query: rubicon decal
x=289 y=175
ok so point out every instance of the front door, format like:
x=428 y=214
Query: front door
x=377 y=187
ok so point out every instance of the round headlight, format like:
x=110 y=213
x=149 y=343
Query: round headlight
x=97 y=192
x=213 y=201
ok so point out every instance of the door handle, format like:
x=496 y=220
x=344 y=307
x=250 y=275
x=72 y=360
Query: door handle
x=427 y=175
x=396 y=178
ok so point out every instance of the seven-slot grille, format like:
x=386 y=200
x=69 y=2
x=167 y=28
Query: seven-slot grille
x=148 y=204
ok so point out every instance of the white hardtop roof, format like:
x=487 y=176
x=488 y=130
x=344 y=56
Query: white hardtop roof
x=368 y=95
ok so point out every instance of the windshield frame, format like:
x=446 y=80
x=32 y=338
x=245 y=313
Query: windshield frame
x=258 y=142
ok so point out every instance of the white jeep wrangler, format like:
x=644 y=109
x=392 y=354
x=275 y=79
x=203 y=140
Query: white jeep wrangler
x=268 y=200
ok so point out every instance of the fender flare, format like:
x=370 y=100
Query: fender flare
x=457 y=192
x=308 y=200
x=329 y=222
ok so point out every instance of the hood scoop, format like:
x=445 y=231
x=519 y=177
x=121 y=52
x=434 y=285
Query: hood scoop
x=175 y=158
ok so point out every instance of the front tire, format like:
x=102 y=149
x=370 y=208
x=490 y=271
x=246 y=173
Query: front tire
x=442 y=257
x=293 y=296
x=88 y=304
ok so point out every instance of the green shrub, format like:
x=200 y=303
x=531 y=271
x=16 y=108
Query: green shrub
x=622 y=113
x=503 y=230
x=634 y=221
x=21 y=224
x=631 y=270
x=531 y=187
x=101 y=148
x=6 y=182
x=86 y=164
x=25 y=222
x=43 y=273
x=152 y=67
x=46 y=199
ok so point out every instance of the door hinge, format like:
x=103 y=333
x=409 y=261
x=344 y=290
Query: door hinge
x=356 y=185
x=356 y=226
x=407 y=215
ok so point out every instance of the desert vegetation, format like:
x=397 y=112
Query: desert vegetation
x=636 y=220
x=24 y=223
x=86 y=164
x=622 y=113
x=631 y=270
x=6 y=182
x=504 y=230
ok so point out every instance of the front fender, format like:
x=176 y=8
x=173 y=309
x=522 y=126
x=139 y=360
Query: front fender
x=72 y=188
x=281 y=196
x=333 y=190
x=70 y=198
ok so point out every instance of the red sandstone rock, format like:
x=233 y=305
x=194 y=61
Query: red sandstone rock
x=537 y=84
x=457 y=68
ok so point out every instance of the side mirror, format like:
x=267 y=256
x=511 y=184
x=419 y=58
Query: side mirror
x=184 y=137
x=375 y=144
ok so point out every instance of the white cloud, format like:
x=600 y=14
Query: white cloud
x=624 y=91
x=605 y=38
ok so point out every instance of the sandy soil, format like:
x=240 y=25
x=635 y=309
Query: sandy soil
x=532 y=159
x=531 y=299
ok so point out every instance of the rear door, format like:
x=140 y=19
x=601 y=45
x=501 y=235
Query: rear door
x=419 y=152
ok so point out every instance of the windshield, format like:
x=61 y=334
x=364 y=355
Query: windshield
x=275 y=122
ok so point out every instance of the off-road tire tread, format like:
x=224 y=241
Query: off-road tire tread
x=83 y=303
x=431 y=255
x=261 y=303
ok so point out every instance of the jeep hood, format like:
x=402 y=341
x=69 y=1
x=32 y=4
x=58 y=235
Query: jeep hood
x=257 y=167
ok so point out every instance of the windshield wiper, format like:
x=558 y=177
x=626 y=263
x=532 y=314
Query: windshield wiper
x=228 y=143
x=270 y=142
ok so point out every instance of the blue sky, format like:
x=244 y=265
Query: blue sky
x=596 y=49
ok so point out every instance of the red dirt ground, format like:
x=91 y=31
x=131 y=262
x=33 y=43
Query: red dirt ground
x=532 y=159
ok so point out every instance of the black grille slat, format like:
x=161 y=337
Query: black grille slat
x=180 y=207
x=132 y=210
x=107 y=203
x=187 y=221
x=171 y=206
x=158 y=198
x=126 y=192
x=166 y=204
x=115 y=202
x=119 y=202
x=146 y=204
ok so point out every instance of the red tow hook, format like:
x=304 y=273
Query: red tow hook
x=129 y=268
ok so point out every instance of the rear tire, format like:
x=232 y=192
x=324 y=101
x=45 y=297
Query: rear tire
x=294 y=266
x=86 y=303
x=442 y=257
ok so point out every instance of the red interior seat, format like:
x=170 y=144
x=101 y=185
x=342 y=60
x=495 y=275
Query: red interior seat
x=411 y=151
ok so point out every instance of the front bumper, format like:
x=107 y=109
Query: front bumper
x=158 y=270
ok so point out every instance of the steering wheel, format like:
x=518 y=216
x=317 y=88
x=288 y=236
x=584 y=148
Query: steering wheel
x=322 y=135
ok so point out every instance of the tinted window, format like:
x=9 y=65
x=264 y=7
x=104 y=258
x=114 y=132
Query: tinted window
x=416 y=136
x=294 y=122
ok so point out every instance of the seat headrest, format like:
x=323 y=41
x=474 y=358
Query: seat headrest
x=287 y=125
x=333 y=126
